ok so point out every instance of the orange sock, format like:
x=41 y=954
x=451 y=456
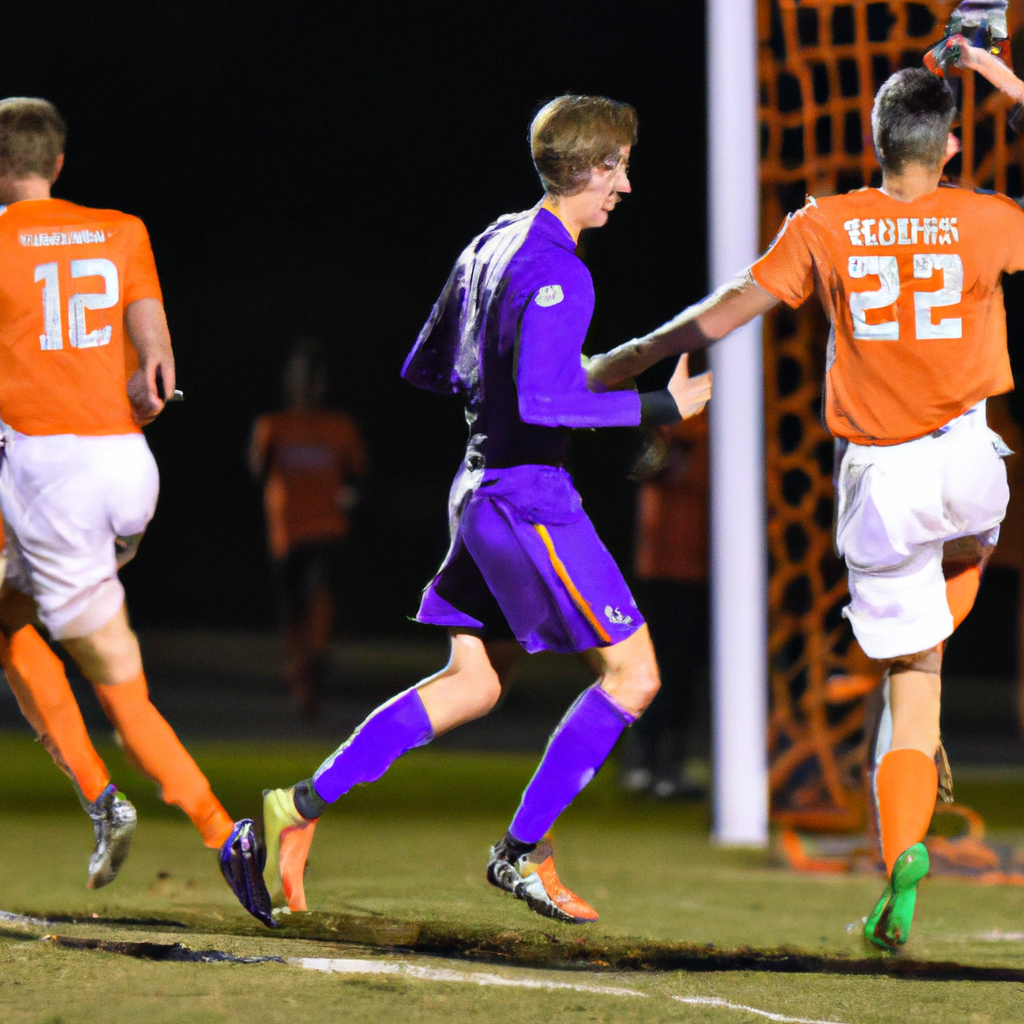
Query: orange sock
x=37 y=678
x=151 y=745
x=907 y=784
x=961 y=590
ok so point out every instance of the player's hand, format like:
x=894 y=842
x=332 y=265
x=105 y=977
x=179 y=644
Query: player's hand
x=972 y=58
x=143 y=393
x=988 y=65
x=691 y=394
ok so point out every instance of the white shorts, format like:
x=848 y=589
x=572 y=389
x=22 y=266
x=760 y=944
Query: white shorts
x=64 y=499
x=897 y=505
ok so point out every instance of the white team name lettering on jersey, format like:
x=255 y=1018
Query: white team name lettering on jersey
x=902 y=231
x=66 y=237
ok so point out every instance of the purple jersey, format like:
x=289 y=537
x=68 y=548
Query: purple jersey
x=507 y=334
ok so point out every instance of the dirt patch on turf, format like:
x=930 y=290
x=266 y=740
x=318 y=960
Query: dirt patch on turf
x=170 y=952
x=544 y=950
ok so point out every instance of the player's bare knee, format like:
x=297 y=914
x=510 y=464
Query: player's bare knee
x=489 y=691
x=924 y=661
x=109 y=655
x=504 y=656
x=634 y=687
x=645 y=688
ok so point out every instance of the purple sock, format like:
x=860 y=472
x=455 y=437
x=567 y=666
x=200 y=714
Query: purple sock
x=577 y=748
x=368 y=753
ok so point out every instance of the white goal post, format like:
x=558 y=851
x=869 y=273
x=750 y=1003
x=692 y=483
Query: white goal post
x=739 y=661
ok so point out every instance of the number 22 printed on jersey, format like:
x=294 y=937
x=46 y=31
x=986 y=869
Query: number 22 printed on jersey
x=78 y=335
x=886 y=269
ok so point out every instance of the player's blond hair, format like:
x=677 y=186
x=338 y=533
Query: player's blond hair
x=32 y=135
x=571 y=135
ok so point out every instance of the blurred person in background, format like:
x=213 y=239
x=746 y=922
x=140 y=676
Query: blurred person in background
x=665 y=752
x=310 y=460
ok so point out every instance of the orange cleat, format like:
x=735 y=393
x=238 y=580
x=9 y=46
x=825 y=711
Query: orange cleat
x=531 y=876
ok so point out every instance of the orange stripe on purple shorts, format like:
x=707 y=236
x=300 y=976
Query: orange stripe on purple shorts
x=563 y=575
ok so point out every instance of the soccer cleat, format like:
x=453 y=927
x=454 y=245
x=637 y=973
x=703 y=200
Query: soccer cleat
x=113 y=824
x=889 y=923
x=531 y=877
x=288 y=836
x=241 y=863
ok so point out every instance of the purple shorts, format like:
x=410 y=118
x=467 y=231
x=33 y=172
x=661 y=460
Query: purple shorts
x=524 y=549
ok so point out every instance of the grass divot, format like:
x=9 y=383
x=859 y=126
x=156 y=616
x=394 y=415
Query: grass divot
x=515 y=949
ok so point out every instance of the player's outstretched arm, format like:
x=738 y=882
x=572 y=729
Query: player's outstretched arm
x=146 y=324
x=733 y=305
x=974 y=58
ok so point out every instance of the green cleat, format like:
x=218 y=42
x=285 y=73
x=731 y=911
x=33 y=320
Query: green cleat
x=889 y=923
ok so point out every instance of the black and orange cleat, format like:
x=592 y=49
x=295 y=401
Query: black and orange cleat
x=528 y=872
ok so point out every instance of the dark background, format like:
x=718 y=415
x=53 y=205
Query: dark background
x=315 y=169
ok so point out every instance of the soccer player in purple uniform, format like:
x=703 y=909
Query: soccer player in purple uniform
x=506 y=336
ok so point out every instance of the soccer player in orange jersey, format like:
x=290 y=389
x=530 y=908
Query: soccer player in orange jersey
x=909 y=274
x=85 y=360
x=309 y=458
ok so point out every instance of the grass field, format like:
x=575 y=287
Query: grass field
x=396 y=877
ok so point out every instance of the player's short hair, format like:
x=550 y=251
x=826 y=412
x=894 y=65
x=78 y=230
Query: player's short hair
x=32 y=135
x=571 y=135
x=911 y=118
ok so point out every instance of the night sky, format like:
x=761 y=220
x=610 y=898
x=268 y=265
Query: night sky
x=304 y=172
x=315 y=169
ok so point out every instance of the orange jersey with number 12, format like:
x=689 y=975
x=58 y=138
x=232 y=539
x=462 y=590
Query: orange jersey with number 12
x=67 y=274
x=914 y=294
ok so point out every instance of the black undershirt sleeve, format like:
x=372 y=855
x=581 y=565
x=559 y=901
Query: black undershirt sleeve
x=658 y=408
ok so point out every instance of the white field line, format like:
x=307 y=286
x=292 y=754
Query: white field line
x=725 y=1004
x=6 y=917
x=329 y=966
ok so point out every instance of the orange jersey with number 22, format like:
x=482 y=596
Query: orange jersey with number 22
x=67 y=274
x=914 y=294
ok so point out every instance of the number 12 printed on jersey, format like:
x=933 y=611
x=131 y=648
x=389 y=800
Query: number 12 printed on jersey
x=78 y=335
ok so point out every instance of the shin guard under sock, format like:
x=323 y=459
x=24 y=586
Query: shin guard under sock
x=37 y=677
x=577 y=749
x=152 y=746
x=366 y=755
x=906 y=784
